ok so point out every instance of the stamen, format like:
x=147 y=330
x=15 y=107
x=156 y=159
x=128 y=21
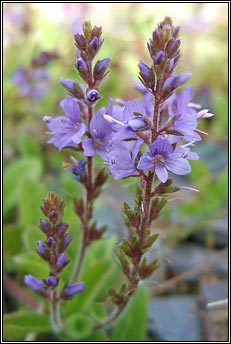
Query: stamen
x=202 y=132
x=112 y=120
x=188 y=188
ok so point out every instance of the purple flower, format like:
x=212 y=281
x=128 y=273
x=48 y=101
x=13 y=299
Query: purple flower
x=61 y=260
x=159 y=57
x=100 y=141
x=62 y=228
x=101 y=66
x=93 y=95
x=32 y=83
x=67 y=240
x=163 y=158
x=67 y=130
x=122 y=160
x=126 y=122
x=52 y=281
x=44 y=225
x=81 y=65
x=94 y=43
x=77 y=168
x=186 y=120
x=34 y=283
x=41 y=248
x=144 y=70
x=72 y=289
x=50 y=241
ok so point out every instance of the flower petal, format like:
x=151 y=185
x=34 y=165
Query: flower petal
x=180 y=166
x=88 y=149
x=162 y=173
x=145 y=162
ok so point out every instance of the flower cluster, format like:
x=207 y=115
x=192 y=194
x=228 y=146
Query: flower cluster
x=52 y=250
x=147 y=138
x=33 y=81
x=120 y=133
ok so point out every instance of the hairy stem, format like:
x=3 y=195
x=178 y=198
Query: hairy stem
x=88 y=210
x=54 y=312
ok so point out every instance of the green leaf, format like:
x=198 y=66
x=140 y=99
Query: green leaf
x=24 y=168
x=32 y=264
x=131 y=325
x=31 y=235
x=78 y=326
x=17 y=325
x=29 y=202
x=98 y=311
x=95 y=279
x=29 y=147
x=12 y=244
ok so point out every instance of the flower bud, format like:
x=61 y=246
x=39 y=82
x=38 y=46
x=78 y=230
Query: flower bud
x=72 y=289
x=62 y=229
x=144 y=70
x=34 y=283
x=172 y=48
x=52 y=281
x=61 y=261
x=44 y=225
x=159 y=57
x=41 y=246
x=136 y=123
x=94 y=43
x=50 y=241
x=93 y=95
x=81 y=65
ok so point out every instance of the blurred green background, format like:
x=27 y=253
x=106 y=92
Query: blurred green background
x=32 y=168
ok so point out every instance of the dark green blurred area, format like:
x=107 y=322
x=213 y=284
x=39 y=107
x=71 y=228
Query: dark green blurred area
x=32 y=168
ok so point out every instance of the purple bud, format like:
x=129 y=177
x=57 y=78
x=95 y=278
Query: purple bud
x=50 y=241
x=81 y=65
x=101 y=65
x=93 y=95
x=62 y=228
x=94 y=43
x=53 y=215
x=172 y=82
x=79 y=39
x=144 y=69
x=68 y=84
x=72 y=289
x=173 y=47
x=183 y=77
x=159 y=57
x=44 y=226
x=41 y=247
x=34 y=283
x=67 y=239
x=136 y=123
x=61 y=260
x=52 y=281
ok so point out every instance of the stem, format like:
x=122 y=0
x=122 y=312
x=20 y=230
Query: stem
x=147 y=196
x=54 y=312
x=88 y=210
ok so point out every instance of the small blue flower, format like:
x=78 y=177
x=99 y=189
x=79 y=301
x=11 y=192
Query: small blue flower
x=93 y=95
x=122 y=160
x=73 y=289
x=61 y=260
x=52 y=281
x=100 y=141
x=163 y=158
x=34 y=283
x=67 y=130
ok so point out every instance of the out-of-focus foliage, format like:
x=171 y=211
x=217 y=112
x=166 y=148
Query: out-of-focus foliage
x=31 y=167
